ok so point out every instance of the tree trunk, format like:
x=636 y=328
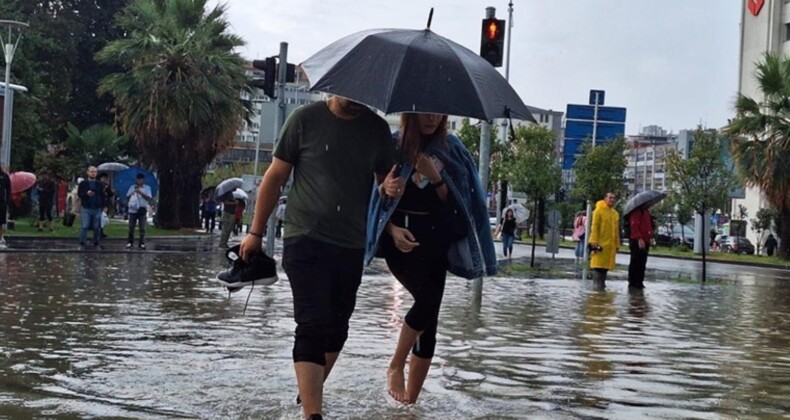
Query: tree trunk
x=189 y=200
x=534 y=239
x=167 y=214
x=540 y=205
x=784 y=234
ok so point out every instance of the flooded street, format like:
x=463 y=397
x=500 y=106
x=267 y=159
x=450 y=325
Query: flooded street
x=149 y=336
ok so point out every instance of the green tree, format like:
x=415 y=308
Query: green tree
x=703 y=180
x=95 y=145
x=761 y=146
x=600 y=170
x=470 y=136
x=55 y=62
x=178 y=95
x=530 y=165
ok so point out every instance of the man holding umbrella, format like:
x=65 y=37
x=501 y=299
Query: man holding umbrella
x=640 y=233
x=334 y=148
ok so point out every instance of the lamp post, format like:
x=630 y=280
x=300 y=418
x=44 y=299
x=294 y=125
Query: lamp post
x=13 y=29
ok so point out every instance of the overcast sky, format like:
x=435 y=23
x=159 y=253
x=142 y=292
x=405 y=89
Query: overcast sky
x=673 y=63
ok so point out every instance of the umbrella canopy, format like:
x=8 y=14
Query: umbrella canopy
x=240 y=194
x=112 y=167
x=520 y=212
x=227 y=186
x=400 y=70
x=649 y=197
x=21 y=181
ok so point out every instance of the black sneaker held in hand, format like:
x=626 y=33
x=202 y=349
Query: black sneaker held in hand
x=260 y=269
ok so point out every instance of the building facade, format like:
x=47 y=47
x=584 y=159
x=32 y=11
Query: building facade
x=765 y=28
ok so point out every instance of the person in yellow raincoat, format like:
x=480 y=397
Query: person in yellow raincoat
x=604 y=238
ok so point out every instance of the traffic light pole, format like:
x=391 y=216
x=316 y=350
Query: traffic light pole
x=505 y=122
x=279 y=120
x=485 y=155
x=588 y=214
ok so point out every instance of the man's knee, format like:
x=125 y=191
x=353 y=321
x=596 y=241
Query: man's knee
x=310 y=344
x=425 y=346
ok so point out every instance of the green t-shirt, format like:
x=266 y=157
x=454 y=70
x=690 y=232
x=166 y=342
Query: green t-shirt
x=334 y=164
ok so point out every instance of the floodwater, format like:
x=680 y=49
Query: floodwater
x=149 y=336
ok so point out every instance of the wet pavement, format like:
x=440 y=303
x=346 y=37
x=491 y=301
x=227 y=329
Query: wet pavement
x=149 y=335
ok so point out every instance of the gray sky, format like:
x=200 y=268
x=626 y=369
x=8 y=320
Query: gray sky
x=672 y=63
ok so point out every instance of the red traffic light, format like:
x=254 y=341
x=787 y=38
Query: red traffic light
x=493 y=30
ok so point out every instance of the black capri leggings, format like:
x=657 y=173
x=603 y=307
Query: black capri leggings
x=423 y=273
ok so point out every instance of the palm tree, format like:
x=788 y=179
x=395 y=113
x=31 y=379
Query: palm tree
x=762 y=149
x=178 y=97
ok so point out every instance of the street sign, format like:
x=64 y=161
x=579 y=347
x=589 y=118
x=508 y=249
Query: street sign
x=554 y=219
x=553 y=242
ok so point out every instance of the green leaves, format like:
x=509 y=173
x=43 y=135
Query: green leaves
x=600 y=170
x=530 y=164
x=702 y=181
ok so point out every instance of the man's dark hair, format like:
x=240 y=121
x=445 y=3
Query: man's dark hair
x=103 y=175
x=140 y=176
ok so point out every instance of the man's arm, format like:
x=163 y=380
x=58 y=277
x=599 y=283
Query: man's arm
x=268 y=195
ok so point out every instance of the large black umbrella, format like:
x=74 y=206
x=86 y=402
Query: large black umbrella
x=649 y=197
x=401 y=70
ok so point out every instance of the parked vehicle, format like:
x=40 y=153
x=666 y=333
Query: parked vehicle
x=736 y=245
x=678 y=235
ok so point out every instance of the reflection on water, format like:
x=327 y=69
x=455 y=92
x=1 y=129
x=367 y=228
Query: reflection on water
x=149 y=336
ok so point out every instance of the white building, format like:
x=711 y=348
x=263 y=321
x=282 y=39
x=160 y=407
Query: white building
x=646 y=156
x=765 y=28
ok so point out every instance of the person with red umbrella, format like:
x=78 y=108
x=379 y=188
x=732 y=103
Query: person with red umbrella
x=5 y=195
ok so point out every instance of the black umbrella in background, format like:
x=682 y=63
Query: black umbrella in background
x=402 y=70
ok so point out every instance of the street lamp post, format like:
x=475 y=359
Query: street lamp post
x=14 y=29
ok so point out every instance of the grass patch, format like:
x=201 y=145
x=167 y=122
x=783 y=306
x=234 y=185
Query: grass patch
x=117 y=228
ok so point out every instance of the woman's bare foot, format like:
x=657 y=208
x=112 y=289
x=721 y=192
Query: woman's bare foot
x=396 y=385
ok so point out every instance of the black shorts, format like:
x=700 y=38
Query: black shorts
x=3 y=212
x=324 y=280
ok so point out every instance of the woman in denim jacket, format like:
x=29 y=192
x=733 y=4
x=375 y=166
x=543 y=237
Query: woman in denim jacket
x=424 y=234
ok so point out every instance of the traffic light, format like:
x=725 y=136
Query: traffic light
x=269 y=67
x=492 y=41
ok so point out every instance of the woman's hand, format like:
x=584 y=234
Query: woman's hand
x=393 y=184
x=427 y=167
x=404 y=240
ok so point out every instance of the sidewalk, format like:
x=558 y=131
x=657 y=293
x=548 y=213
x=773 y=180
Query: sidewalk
x=666 y=264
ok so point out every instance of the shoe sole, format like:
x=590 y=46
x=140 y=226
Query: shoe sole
x=266 y=281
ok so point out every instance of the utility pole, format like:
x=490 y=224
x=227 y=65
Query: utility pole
x=279 y=120
x=14 y=28
x=505 y=122
x=588 y=222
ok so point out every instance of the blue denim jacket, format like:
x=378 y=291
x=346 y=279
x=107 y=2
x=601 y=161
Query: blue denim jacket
x=471 y=257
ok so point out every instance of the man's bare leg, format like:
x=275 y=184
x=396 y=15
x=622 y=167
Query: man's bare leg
x=331 y=358
x=310 y=378
x=418 y=371
x=396 y=382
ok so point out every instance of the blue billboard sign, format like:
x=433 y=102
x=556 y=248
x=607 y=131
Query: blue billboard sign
x=581 y=121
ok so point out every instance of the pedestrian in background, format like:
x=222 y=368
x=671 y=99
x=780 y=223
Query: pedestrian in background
x=507 y=227
x=579 y=225
x=208 y=212
x=46 y=198
x=91 y=194
x=770 y=245
x=604 y=239
x=5 y=197
x=228 y=220
x=641 y=233
x=138 y=196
